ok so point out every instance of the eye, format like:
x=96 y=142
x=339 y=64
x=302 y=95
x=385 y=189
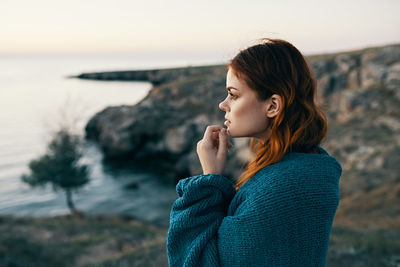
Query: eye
x=232 y=95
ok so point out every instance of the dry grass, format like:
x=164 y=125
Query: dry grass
x=85 y=241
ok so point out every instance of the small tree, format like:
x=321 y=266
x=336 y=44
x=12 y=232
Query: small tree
x=59 y=166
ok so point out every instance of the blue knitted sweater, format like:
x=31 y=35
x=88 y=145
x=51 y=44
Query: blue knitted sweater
x=282 y=216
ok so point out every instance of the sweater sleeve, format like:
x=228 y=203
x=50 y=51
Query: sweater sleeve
x=195 y=219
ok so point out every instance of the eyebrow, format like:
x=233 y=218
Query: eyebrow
x=230 y=87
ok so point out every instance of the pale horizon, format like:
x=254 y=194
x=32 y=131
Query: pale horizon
x=204 y=29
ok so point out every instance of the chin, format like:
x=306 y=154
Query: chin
x=232 y=134
x=238 y=135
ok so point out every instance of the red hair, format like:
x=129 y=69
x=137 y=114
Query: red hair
x=277 y=67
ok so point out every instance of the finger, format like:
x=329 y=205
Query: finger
x=223 y=142
x=210 y=129
x=229 y=142
x=228 y=138
x=209 y=136
x=215 y=138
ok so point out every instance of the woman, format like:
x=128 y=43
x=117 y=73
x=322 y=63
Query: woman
x=280 y=211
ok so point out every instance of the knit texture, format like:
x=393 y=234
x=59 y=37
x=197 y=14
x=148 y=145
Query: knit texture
x=282 y=216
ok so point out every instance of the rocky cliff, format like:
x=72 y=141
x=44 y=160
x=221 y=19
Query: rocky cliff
x=358 y=90
x=162 y=130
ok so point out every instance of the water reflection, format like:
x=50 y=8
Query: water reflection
x=32 y=92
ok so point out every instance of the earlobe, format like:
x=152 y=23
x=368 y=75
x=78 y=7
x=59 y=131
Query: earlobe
x=274 y=106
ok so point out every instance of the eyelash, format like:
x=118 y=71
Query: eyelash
x=232 y=95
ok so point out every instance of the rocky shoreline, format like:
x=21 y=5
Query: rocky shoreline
x=155 y=76
x=358 y=90
x=162 y=129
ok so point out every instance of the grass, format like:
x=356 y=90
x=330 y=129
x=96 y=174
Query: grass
x=85 y=241
x=364 y=247
x=108 y=241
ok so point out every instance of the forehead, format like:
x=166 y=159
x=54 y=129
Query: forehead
x=230 y=76
x=233 y=81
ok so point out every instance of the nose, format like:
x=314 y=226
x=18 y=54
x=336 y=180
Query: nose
x=223 y=106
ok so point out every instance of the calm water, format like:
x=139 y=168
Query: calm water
x=35 y=97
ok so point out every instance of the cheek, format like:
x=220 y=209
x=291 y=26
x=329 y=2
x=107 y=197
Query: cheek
x=246 y=110
x=239 y=108
x=252 y=116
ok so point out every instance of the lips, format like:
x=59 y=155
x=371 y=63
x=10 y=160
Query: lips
x=226 y=122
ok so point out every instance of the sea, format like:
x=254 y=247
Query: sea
x=37 y=97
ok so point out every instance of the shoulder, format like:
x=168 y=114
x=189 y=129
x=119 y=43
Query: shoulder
x=296 y=173
x=298 y=188
x=320 y=167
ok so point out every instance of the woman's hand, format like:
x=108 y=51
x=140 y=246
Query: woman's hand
x=212 y=149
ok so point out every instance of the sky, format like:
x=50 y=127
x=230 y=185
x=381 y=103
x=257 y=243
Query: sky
x=183 y=27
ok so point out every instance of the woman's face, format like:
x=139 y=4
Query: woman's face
x=245 y=115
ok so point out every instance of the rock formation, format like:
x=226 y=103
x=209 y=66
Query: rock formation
x=358 y=90
x=162 y=130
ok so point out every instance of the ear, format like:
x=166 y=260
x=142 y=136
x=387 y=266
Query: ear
x=273 y=106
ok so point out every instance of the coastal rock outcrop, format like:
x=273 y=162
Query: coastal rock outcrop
x=360 y=93
x=358 y=90
x=162 y=130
